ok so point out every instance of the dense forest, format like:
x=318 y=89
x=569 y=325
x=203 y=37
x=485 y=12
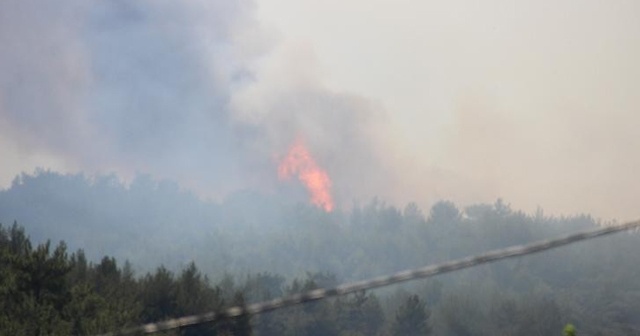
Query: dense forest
x=147 y=251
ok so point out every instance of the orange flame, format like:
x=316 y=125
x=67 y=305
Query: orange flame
x=299 y=162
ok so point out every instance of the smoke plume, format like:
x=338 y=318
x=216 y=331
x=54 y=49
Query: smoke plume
x=176 y=90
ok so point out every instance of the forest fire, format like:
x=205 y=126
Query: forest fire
x=300 y=163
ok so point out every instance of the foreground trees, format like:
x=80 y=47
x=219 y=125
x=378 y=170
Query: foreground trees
x=411 y=318
x=48 y=292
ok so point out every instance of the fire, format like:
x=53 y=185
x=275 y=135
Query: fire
x=299 y=162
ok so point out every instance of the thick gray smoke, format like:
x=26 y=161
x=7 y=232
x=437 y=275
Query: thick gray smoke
x=167 y=88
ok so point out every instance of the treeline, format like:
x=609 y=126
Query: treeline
x=45 y=291
x=253 y=232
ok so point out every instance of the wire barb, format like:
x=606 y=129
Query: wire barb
x=407 y=275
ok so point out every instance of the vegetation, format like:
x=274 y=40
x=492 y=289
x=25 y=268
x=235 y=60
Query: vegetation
x=252 y=248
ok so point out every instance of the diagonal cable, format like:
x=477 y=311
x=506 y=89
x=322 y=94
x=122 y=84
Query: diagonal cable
x=418 y=273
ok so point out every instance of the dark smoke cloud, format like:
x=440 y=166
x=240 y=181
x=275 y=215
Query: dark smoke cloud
x=123 y=85
x=147 y=86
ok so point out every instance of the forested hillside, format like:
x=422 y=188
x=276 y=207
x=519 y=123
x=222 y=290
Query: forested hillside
x=187 y=256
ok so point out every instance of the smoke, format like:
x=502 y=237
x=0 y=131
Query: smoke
x=166 y=88
x=533 y=103
x=119 y=85
x=544 y=106
x=569 y=162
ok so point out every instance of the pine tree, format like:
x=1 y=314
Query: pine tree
x=411 y=318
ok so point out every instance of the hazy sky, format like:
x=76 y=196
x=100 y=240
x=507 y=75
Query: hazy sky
x=533 y=101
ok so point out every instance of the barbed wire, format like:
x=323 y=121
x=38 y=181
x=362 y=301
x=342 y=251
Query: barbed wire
x=407 y=275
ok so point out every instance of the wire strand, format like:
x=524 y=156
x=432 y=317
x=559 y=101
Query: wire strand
x=347 y=288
